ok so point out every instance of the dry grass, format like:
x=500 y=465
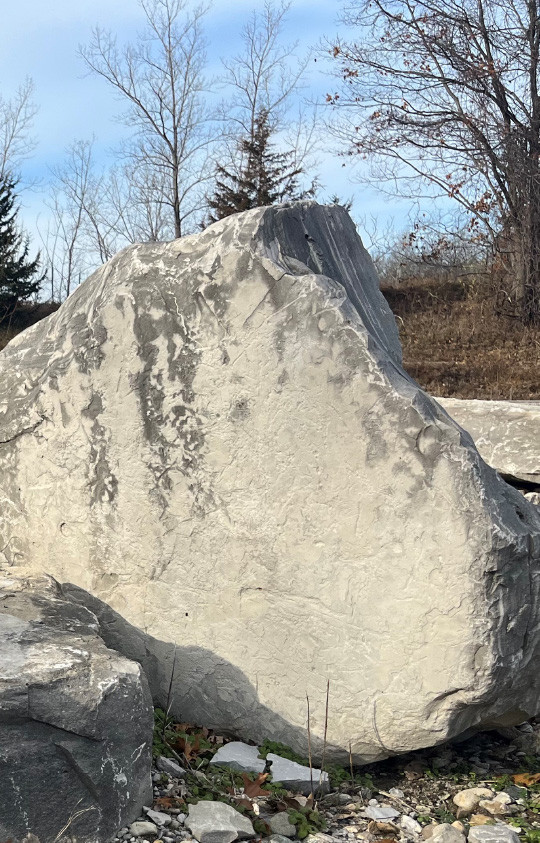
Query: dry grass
x=455 y=343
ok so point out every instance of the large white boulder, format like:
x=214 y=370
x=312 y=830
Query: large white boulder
x=215 y=436
x=506 y=433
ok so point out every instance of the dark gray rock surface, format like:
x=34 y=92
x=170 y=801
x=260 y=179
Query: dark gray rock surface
x=75 y=721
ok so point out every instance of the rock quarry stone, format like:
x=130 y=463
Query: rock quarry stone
x=75 y=721
x=142 y=828
x=498 y=833
x=215 y=822
x=297 y=777
x=381 y=812
x=216 y=437
x=468 y=800
x=239 y=756
x=446 y=833
x=506 y=433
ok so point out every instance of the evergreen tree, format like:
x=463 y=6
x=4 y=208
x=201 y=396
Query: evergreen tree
x=266 y=177
x=19 y=276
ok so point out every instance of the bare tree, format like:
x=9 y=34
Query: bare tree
x=442 y=97
x=16 y=118
x=266 y=77
x=161 y=79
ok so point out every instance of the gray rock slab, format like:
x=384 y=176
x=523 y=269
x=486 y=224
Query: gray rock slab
x=142 y=828
x=296 y=777
x=231 y=454
x=170 y=766
x=239 y=756
x=381 y=812
x=506 y=433
x=75 y=720
x=158 y=817
x=215 y=822
x=499 y=833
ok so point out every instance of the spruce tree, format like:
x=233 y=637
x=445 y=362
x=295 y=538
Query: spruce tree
x=266 y=177
x=19 y=276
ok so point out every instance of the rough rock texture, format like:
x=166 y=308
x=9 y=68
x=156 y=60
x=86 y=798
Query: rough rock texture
x=239 y=756
x=507 y=434
x=216 y=437
x=75 y=721
x=215 y=822
x=296 y=777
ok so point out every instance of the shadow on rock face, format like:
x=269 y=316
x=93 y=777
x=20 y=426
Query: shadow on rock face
x=206 y=689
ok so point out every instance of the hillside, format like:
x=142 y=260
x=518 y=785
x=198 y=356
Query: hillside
x=455 y=343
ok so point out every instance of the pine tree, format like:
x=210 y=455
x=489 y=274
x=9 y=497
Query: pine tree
x=267 y=177
x=19 y=276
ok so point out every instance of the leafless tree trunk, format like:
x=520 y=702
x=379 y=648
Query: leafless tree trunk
x=442 y=97
x=161 y=80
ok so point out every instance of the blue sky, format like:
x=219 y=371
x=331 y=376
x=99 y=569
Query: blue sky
x=40 y=40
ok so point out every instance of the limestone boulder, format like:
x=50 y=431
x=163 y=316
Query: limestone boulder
x=215 y=437
x=506 y=433
x=75 y=721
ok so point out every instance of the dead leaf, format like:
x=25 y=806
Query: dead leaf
x=253 y=788
x=166 y=803
x=244 y=802
x=189 y=749
x=526 y=779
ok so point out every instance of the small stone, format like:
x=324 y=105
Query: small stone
x=158 y=817
x=281 y=824
x=496 y=807
x=409 y=825
x=278 y=838
x=427 y=831
x=296 y=777
x=239 y=756
x=142 y=828
x=460 y=827
x=215 y=822
x=382 y=827
x=381 y=812
x=499 y=833
x=468 y=800
x=396 y=792
x=481 y=819
x=167 y=765
x=320 y=837
x=446 y=833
